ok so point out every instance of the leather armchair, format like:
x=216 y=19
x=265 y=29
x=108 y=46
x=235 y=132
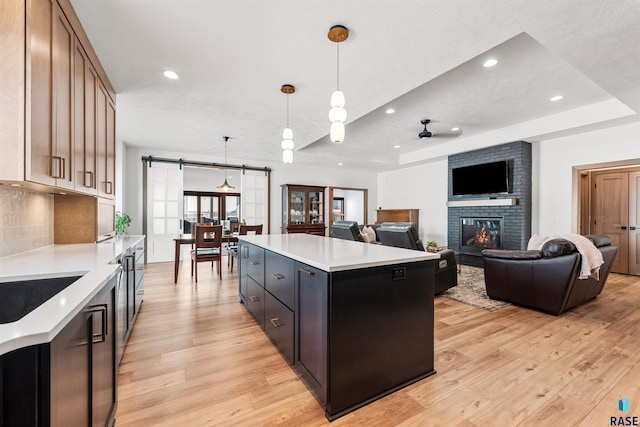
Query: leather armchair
x=347 y=230
x=400 y=235
x=546 y=279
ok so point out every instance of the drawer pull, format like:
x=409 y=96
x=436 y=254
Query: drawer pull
x=277 y=276
x=102 y=335
x=60 y=170
x=275 y=322
x=254 y=298
x=307 y=272
x=252 y=262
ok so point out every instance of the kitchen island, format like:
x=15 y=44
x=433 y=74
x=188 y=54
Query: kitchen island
x=355 y=320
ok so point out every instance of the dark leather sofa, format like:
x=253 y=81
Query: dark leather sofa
x=405 y=235
x=347 y=230
x=546 y=279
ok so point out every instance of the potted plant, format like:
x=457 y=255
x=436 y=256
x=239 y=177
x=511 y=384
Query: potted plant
x=432 y=246
x=122 y=223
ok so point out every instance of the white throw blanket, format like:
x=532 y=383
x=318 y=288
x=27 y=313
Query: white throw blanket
x=591 y=256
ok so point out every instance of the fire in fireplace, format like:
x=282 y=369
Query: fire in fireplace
x=481 y=233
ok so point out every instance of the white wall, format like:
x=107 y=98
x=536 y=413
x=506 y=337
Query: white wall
x=421 y=187
x=554 y=210
x=281 y=174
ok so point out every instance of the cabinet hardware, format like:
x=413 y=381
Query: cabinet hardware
x=88 y=174
x=245 y=252
x=277 y=276
x=275 y=322
x=254 y=299
x=102 y=335
x=108 y=187
x=59 y=174
x=307 y=272
x=252 y=262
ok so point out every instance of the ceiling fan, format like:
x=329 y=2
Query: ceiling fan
x=426 y=133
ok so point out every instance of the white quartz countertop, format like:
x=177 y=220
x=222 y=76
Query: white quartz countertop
x=95 y=262
x=330 y=254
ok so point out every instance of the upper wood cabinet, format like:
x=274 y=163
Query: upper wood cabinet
x=52 y=80
x=84 y=122
x=106 y=144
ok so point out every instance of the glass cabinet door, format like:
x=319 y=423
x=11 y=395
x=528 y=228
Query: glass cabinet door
x=297 y=204
x=316 y=207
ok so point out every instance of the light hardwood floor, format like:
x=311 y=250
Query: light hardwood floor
x=196 y=357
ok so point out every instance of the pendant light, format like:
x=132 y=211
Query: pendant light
x=226 y=186
x=337 y=114
x=287 y=134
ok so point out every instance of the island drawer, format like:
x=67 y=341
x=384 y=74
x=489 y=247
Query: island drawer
x=279 y=325
x=255 y=301
x=254 y=257
x=280 y=277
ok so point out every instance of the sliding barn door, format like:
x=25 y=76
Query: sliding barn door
x=164 y=186
x=255 y=199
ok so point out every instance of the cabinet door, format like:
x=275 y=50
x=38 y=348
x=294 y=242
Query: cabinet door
x=111 y=150
x=243 y=256
x=38 y=148
x=101 y=141
x=70 y=380
x=103 y=352
x=84 y=122
x=255 y=263
x=62 y=50
x=312 y=311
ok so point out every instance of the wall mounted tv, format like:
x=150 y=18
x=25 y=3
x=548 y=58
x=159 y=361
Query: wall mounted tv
x=485 y=178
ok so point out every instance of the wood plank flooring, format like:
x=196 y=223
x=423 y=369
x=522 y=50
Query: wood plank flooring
x=197 y=358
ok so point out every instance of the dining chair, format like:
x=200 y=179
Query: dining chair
x=242 y=231
x=208 y=247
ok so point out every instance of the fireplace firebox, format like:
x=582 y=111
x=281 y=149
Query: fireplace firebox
x=480 y=233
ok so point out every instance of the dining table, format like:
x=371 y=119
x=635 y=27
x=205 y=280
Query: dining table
x=190 y=239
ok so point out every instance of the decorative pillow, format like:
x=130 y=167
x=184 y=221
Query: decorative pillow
x=365 y=237
x=536 y=242
x=370 y=232
x=557 y=247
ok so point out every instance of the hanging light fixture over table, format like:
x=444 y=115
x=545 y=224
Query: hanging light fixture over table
x=337 y=114
x=226 y=186
x=287 y=134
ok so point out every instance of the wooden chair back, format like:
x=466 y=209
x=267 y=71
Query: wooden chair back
x=208 y=236
x=246 y=229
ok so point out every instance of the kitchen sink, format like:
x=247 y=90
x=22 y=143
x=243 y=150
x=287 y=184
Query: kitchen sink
x=19 y=298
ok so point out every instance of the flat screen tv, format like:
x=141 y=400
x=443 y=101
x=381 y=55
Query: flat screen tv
x=485 y=178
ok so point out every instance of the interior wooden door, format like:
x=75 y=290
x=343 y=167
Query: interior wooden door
x=634 y=223
x=611 y=213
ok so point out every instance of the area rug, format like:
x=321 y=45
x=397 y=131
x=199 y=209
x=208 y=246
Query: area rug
x=471 y=290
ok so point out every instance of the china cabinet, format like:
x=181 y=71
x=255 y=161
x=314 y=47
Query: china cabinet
x=303 y=209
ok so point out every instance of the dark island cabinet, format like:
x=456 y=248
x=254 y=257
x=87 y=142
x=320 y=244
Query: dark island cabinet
x=70 y=381
x=312 y=285
x=354 y=335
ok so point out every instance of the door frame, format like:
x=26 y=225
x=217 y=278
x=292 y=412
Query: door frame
x=365 y=195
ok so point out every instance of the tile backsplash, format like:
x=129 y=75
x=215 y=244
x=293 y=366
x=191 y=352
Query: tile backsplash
x=26 y=220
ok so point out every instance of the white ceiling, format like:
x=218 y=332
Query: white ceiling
x=423 y=58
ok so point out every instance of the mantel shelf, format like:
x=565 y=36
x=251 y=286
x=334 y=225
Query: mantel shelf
x=481 y=202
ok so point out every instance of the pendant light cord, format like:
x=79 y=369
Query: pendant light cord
x=338 y=66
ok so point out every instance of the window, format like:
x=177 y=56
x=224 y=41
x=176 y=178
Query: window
x=205 y=207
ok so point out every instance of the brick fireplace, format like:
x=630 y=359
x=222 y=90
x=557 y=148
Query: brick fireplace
x=512 y=209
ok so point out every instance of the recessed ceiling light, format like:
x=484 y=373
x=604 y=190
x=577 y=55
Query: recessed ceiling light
x=390 y=111
x=490 y=63
x=455 y=129
x=171 y=75
x=340 y=164
x=396 y=146
x=556 y=98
